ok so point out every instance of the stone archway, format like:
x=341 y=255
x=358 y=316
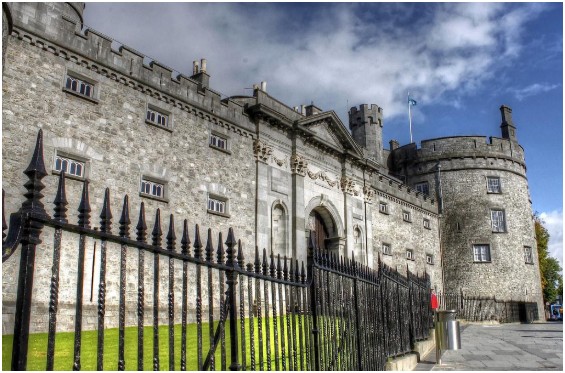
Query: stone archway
x=324 y=223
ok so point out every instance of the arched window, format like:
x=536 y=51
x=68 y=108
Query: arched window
x=360 y=255
x=279 y=231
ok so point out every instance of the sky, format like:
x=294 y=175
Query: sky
x=459 y=61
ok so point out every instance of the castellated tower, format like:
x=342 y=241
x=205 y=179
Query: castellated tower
x=366 y=125
x=487 y=228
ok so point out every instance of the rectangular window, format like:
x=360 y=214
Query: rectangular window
x=481 y=253
x=427 y=224
x=409 y=254
x=218 y=142
x=498 y=221
x=69 y=166
x=383 y=208
x=493 y=184
x=152 y=188
x=423 y=188
x=217 y=205
x=406 y=216
x=528 y=257
x=386 y=249
x=429 y=259
x=156 y=117
x=79 y=86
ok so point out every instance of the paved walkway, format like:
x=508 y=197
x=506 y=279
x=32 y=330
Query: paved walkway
x=504 y=347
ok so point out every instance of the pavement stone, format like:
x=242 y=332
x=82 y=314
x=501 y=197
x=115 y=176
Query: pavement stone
x=504 y=347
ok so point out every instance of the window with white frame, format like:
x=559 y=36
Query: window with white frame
x=152 y=188
x=528 y=255
x=498 y=221
x=481 y=253
x=427 y=224
x=80 y=86
x=218 y=141
x=429 y=259
x=383 y=208
x=409 y=254
x=69 y=166
x=493 y=184
x=218 y=205
x=406 y=216
x=386 y=249
x=423 y=188
x=156 y=117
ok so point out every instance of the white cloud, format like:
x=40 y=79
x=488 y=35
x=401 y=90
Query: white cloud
x=553 y=222
x=533 y=90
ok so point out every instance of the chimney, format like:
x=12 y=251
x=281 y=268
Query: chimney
x=199 y=74
x=203 y=65
x=393 y=145
x=264 y=86
x=507 y=126
x=302 y=110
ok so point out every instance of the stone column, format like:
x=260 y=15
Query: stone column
x=298 y=167
x=347 y=187
x=368 y=194
x=262 y=224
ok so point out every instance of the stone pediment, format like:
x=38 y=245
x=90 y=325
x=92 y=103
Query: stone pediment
x=328 y=129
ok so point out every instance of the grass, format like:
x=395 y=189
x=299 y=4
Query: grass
x=64 y=347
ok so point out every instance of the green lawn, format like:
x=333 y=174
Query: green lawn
x=64 y=342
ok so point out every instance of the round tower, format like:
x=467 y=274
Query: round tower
x=487 y=228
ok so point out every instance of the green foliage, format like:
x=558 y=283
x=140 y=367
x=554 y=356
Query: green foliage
x=551 y=279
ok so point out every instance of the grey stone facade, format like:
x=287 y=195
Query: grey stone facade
x=279 y=171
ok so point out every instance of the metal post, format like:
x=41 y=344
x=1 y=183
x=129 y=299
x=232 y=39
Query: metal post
x=312 y=291
x=232 y=281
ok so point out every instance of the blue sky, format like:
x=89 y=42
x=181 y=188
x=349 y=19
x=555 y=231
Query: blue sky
x=460 y=61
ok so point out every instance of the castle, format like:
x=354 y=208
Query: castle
x=456 y=208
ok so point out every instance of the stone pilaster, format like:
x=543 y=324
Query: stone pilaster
x=262 y=153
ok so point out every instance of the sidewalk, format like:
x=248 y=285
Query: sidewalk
x=503 y=347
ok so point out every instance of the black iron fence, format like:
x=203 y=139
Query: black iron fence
x=267 y=313
x=482 y=308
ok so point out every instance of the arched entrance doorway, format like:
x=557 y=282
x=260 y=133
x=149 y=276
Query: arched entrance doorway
x=323 y=229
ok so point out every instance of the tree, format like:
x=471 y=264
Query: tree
x=551 y=280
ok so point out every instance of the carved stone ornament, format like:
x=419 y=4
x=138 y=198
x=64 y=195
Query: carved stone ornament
x=347 y=185
x=279 y=162
x=261 y=151
x=369 y=193
x=298 y=165
x=322 y=176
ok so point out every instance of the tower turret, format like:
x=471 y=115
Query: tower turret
x=508 y=128
x=366 y=125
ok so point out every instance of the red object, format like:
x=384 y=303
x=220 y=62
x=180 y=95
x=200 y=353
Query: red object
x=434 y=302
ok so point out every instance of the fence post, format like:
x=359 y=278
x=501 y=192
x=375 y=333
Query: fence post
x=357 y=319
x=30 y=239
x=231 y=282
x=312 y=290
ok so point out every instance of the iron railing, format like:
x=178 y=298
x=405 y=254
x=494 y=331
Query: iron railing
x=264 y=314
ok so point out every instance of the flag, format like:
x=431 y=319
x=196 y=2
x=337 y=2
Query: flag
x=411 y=102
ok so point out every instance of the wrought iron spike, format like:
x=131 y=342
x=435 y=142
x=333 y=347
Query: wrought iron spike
x=311 y=248
x=197 y=243
x=249 y=267
x=303 y=274
x=157 y=232
x=257 y=260
x=141 y=225
x=285 y=269
x=185 y=240
x=279 y=268
x=4 y=225
x=171 y=236
x=265 y=264
x=60 y=201
x=84 y=207
x=341 y=264
x=209 y=250
x=231 y=260
x=291 y=271
x=35 y=172
x=124 y=219
x=240 y=258
x=106 y=214
x=296 y=271
x=272 y=267
x=221 y=254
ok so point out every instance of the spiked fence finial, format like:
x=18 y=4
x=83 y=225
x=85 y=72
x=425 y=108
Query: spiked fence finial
x=197 y=243
x=106 y=214
x=124 y=219
x=60 y=201
x=141 y=225
x=171 y=236
x=35 y=172
x=84 y=207
x=209 y=247
x=185 y=240
x=157 y=232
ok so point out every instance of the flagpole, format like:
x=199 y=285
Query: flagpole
x=410 y=117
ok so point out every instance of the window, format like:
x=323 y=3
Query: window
x=498 y=222
x=427 y=224
x=69 y=166
x=493 y=184
x=386 y=249
x=528 y=257
x=218 y=142
x=481 y=253
x=409 y=254
x=406 y=216
x=217 y=205
x=423 y=188
x=79 y=86
x=156 y=117
x=152 y=188
x=430 y=259
x=383 y=208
